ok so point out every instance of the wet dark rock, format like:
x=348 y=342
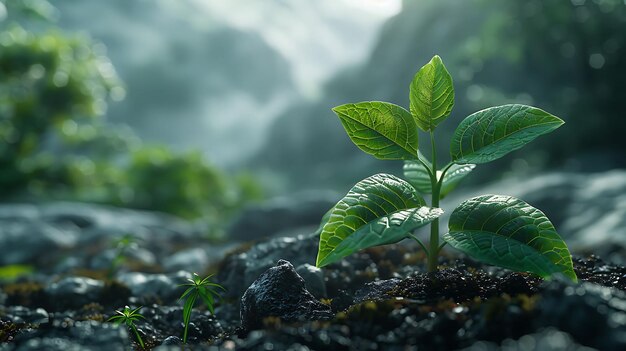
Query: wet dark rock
x=193 y=259
x=73 y=292
x=88 y=335
x=172 y=340
x=314 y=279
x=374 y=291
x=239 y=270
x=280 y=292
x=548 y=339
x=377 y=290
x=595 y=314
x=382 y=298
x=30 y=242
x=281 y=214
x=21 y=314
x=43 y=234
x=155 y=287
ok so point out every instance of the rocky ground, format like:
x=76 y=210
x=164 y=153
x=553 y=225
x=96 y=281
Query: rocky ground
x=88 y=261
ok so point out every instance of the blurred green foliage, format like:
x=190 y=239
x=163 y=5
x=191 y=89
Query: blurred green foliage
x=161 y=180
x=54 y=143
x=566 y=56
x=14 y=271
x=47 y=80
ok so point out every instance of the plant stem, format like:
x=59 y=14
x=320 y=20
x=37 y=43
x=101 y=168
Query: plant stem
x=434 y=226
x=185 y=333
x=138 y=336
x=420 y=243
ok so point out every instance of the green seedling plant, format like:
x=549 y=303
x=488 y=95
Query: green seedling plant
x=129 y=316
x=201 y=288
x=123 y=246
x=383 y=209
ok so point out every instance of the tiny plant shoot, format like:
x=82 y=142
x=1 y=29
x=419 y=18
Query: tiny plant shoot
x=122 y=247
x=129 y=317
x=198 y=288
x=384 y=209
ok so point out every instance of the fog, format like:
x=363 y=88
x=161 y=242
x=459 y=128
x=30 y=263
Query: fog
x=213 y=75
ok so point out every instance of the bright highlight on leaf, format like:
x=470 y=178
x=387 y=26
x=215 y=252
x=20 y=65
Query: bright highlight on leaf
x=431 y=95
x=505 y=231
x=383 y=130
x=379 y=210
x=494 y=132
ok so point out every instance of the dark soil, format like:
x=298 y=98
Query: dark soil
x=453 y=308
x=381 y=299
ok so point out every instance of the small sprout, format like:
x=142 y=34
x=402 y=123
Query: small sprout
x=198 y=287
x=122 y=247
x=129 y=317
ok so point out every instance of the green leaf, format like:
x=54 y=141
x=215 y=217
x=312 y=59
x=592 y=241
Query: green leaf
x=379 y=210
x=453 y=177
x=208 y=300
x=494 y=132
x=187 y=292
x=381 y=129
x=431 y=94
x=507 y=232
x=417 y=175
x=188 y=307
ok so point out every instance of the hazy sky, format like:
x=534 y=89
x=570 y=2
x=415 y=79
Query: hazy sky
x=183 y=47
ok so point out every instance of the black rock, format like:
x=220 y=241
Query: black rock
x=595 y=315
x=31 y=242
x=548 y=339
x=314 y=279
x=74 y=292
x=376 y=290
x=88 y=335
x=21 y=314
x=280 y=292
x=239 y=270
x=172 y=340
x=149 y=287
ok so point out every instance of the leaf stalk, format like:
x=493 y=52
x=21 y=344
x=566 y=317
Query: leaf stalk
x=433 y=252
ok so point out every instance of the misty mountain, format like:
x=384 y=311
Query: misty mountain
x=212 y=75
x=508 y=52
